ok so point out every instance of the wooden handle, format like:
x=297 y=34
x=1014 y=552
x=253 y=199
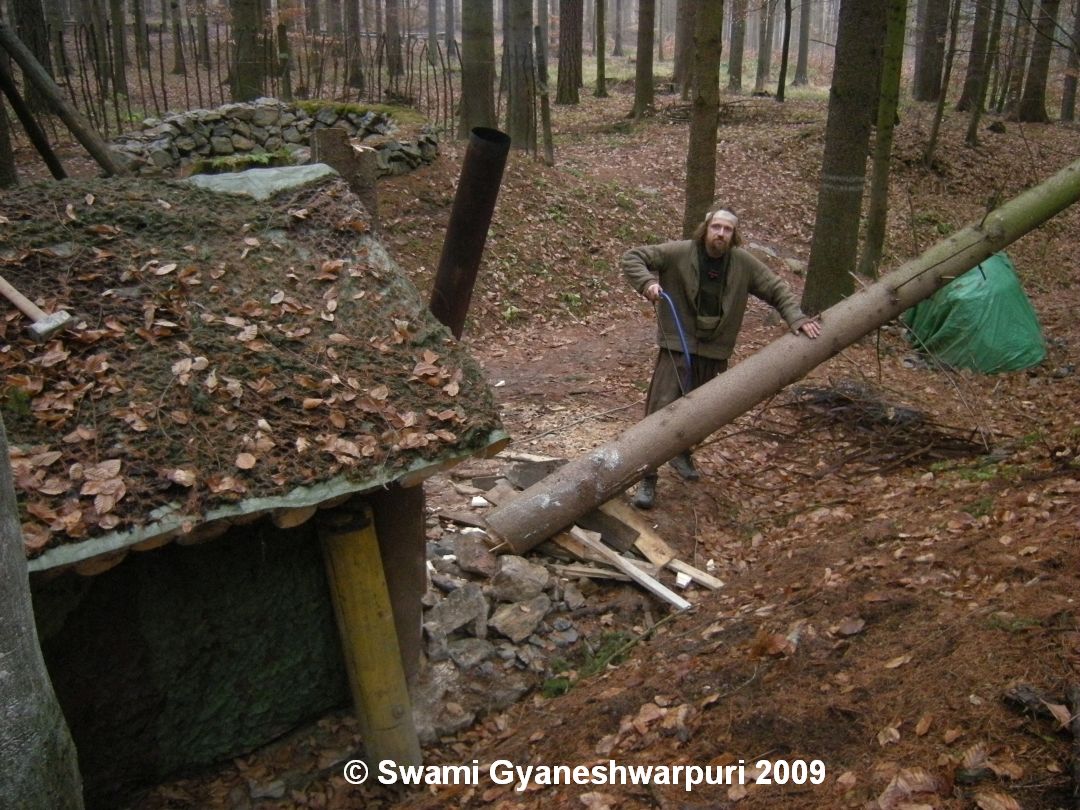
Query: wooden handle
x=25 y=305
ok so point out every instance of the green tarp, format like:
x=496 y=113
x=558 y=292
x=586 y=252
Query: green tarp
x=982 y=321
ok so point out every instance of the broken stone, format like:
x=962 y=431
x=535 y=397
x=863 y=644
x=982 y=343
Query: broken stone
x=469 y=652
x=474 y=556
x=572 y=595
x=517 y=621
x=462 y=607
x=518 y=580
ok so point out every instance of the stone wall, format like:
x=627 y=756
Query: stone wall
x=173 y=145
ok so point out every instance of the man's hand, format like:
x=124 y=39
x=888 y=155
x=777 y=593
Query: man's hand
x=811 y=329
x=652 y=291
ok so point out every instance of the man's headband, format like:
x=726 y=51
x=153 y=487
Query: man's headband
x=722 y=212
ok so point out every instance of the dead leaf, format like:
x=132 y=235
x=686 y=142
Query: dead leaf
x=103 y=471
x=923 y=725
x=995 y=801
x=245 y=461
x=889 y=735
x=899 y=661
x=850 y=626
x=1061 y=713
x=185 y=478
x=165 y=269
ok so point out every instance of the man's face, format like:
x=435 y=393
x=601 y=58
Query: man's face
x=719 y=233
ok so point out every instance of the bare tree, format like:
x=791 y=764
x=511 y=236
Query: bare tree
x=704 y=106
x=980 y=35
x=570 y=45
x=685 y=11
x=738 y=45
x=1032 y=105
x=950 y=54
x=601 y=47
x=644 y=97
x=780 y=82
x=802 y=62
x=764 y=54
x=520 y=120
x=477 y=66
x=979 y=102
x=931 y=46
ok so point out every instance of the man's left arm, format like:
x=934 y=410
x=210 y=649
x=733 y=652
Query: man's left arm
x=773 y=290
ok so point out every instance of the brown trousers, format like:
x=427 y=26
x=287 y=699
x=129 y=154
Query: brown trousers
x=670 y=378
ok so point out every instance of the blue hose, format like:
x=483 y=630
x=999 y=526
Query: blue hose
x=689 y=376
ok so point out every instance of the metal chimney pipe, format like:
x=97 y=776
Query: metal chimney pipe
x=466 y=233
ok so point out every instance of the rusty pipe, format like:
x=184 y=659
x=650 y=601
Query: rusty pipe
x=466 y=233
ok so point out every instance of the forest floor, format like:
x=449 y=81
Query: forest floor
x=899 y=542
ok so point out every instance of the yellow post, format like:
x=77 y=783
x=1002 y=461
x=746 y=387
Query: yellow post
x=368 y=636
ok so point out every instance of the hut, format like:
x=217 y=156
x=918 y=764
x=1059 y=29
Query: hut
x=219 y=463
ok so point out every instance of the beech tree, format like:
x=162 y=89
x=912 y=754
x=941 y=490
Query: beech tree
x=1032 y=105
x=704 y=111
x=855 y=90
x=38 y=765
x=644 y=97
x=802 y=62
x=738 y=45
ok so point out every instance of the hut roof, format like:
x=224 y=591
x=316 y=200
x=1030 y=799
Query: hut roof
x=227 y=357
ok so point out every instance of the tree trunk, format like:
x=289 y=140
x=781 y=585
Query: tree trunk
x=519 y=55
x=802 y=63
x=685 y=11
x=395 y=63
x=334 y=17
x=247 y=73
x=618 y=49
x=764 y=53
x=570 y=44
x=354 y=70
x=9 y=175
x=29 y=17
x=892 y=64
x=588 y=481
x=38 y=765
x=928 y=156
x=142 y=36
x=1018 y=57
x=202 y=25
x=927 y=82
x=704 y=111
x=644 y=97
x=451 y=23
x=782 y=81
x=972 y=137
x=477 y=66
x=1068 y=90
x=313 y=18
x=855 y=91
x=179 y=67
x=601 y=48
x=738 y=45
x=119 y=46
x=1032 y=106
x=980 y=34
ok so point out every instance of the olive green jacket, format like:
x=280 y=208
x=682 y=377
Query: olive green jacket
x=676 y=266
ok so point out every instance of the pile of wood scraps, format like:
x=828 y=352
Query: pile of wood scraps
x=612 y=542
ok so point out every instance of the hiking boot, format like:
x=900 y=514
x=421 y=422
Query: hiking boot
x=646 y=494
x=683 y=464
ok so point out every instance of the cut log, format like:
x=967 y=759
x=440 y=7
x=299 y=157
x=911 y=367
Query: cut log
x=586 y=482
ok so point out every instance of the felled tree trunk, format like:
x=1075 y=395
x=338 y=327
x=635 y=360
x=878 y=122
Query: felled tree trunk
x=559 y=500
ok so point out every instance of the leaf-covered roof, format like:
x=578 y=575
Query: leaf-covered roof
x=224 y=353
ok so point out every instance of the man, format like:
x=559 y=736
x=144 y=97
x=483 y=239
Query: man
x=706 y=280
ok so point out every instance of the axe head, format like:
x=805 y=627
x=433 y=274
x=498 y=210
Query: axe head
x=44 y=328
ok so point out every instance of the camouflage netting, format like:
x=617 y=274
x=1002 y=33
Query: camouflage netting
x=223 y=350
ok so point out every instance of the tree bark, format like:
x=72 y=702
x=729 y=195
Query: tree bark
x=704 y=111
x=855 y=92
x=644 y=94
x=927 y=82
x=9 y=175
x=38 y=765
x=1032 y=107
x=601 y=48
x=477 y=67
x=802 y=63
x=580 y=486
x=980 y=35
x=782 y=80
x=570 y=44
x=1068 y=90
x=738 y=45
x=519 y=55
x=891 y=67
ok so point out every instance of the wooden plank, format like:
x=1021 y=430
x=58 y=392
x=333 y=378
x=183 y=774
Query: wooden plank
x=369 y=638
x=696 y=574
x=576 y=570
x=461 y=518
x=502 y=492
x=613 y=531
x=652 y=546
x=640 y=577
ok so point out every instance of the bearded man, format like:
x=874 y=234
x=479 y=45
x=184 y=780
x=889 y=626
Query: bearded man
x=700 y=286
